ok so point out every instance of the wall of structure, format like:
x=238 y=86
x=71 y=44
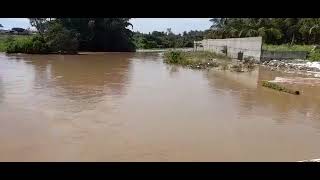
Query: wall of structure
x=233 y=47
x=280 y=55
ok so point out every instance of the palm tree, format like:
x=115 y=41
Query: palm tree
x=292 y=28
x=310 y=28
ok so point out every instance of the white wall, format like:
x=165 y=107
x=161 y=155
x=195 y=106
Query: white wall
x=249 y=46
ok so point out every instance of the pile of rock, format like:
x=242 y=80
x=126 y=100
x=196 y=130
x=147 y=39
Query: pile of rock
x=312 y=160
x=290 y=65
x=205 y=65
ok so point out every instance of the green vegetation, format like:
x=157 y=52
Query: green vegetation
x=279 y=34
x=205 y=60
x=273 y=30
x=194 y=59
x=23 y=45
x=287 y=47
x=278 y=87
x=70 y=35
x=5 y=39
x=313 y=54
x=166 y=39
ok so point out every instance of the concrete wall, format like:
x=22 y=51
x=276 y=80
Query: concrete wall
x=280 y=55
x=250 y=47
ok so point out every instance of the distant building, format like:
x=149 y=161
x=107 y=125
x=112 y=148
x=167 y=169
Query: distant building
x=17 y=31
x=3 y=31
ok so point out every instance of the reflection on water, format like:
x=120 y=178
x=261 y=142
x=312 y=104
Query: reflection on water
x=1 y=91
x=132 y=107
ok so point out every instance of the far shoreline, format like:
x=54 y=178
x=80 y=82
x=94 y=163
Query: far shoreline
x=105 y=52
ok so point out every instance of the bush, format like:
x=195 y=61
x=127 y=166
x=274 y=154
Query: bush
x=201 y=59
x=56 y=39
x=249 y=63
x=34 y=45
x=237 y=67
x=224 y=66
x=59 y=39
x=174 y=57
x=314 y=55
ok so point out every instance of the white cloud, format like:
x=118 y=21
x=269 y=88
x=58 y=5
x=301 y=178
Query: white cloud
x=177 y=25
x=9 y=23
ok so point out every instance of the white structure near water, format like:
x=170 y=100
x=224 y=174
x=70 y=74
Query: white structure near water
x=237 y=48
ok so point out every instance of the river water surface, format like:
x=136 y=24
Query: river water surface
x=133 y=107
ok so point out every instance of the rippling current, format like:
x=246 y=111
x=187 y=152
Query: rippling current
x=133 y=107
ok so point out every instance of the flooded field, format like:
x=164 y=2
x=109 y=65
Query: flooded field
x=133 y=107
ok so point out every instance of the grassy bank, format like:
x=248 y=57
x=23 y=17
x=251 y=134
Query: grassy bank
x=206 y=60
x=56 y=42
x=192 y=58
x=287 y=47
x=313 y=55
x=5 y=39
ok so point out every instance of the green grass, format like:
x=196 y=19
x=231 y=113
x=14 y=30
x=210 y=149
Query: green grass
x=287 y=47
x=17 y=38
x=312 y=55
x=191 y=58
x=205 y=60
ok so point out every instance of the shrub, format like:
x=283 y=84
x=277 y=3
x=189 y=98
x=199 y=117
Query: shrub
x=27 y=45
x=237 y=67
x=55 y=39
x=59 y=39
x=224 y=66
x=314 y=55
x=174 y=57
x=249 y=63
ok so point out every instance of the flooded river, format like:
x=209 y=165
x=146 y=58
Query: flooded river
x=133 y=107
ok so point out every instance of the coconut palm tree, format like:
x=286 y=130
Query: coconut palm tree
x=292 y=25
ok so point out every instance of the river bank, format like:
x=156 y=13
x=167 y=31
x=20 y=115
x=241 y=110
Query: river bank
x=164 y=50
x=208 y=60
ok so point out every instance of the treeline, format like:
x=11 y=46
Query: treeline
x=70 y=35
x=273 y=30
x=167 y=39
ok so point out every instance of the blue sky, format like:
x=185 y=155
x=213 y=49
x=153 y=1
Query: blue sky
x=145 y=25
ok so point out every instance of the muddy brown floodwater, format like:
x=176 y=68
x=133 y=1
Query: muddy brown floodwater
x=133 y=107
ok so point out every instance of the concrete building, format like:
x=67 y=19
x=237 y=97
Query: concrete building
x=238 y=48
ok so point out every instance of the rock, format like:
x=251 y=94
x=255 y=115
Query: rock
x=311 y=160
x=281 y=65
x=273 y=63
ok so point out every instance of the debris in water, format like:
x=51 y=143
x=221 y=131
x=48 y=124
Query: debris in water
x=278 y=87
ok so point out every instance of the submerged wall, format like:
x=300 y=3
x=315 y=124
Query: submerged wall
x=280 y=55
x=237 y=48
